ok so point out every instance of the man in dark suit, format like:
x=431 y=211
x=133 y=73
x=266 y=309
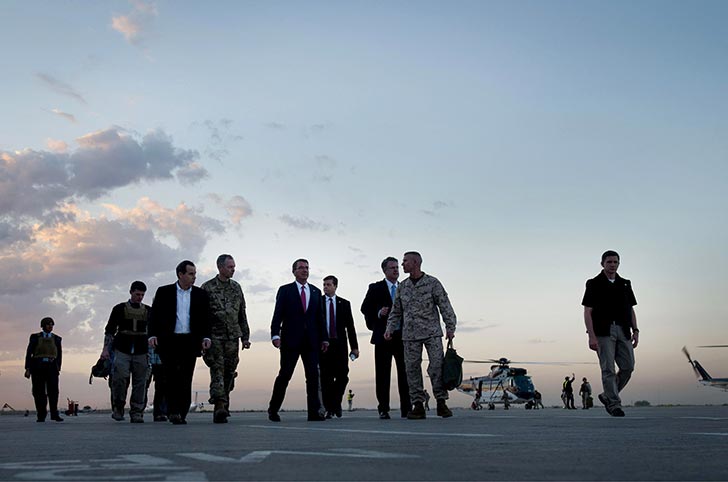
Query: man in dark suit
x=43 y=365
x=334 y=364
x=179 y=329
x=298 y=330
x=376 y=306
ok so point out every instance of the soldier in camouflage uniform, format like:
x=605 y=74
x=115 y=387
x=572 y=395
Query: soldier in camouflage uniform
x=415 y=310
x=229 y=324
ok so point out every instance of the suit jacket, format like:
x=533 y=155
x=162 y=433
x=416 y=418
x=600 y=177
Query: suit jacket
x=33 y=342
x=164 y=314
x=378 y=296
x=296 y=328
x=344 y=321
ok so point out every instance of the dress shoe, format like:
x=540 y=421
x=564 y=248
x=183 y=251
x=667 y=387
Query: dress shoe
x=160 y=418
x=40 y=420
x=385 y=416
x=274 y=417
x=442 y=409
x=175 y=418
x=417 y=412
x=329 y=415
x=316 y=417
x=56 y=418
x=117 y=415
x=338 y=413
x=617 y=412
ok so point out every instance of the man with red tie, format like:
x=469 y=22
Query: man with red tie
x=334 y=363
x=298 y=330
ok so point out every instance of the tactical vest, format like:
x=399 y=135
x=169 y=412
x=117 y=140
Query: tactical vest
x=135 y=320
x=46 y=348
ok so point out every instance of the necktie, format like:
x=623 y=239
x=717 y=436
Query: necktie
x=303 y=298
x=392 y=291
x=332 y=319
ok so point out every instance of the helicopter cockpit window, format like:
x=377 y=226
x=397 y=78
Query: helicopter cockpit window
x=524 y=384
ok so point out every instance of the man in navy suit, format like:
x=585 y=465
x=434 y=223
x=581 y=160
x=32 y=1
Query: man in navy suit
x=376 y=306
x=334 y=363
x=179 y=330
x=298 y=330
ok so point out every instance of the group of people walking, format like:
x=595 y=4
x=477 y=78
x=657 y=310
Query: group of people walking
x=186 y=322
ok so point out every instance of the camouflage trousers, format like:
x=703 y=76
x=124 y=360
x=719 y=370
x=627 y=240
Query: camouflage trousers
x=413 y=362
x=222 y=358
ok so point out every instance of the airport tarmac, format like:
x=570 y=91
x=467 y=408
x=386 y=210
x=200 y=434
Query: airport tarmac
x=650 y=443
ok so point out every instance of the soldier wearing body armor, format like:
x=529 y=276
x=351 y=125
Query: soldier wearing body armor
x=43 y=365
x=125 y=342
x=229 y=324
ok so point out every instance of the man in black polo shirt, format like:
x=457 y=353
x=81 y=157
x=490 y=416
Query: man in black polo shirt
x=611 y=324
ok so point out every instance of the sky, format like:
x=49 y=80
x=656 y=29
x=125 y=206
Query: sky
x=510 y=143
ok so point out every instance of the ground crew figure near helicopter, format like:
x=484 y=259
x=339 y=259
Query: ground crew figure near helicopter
x=585 y=391
x=569 y=392
x=611 y=324
x=415 y=310
x=350 y=400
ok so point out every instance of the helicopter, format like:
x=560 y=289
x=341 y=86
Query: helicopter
x=703 y=376
x=503 y=385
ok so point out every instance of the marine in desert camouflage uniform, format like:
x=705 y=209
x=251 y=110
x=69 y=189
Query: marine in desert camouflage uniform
x=415 y=310
x=229 y=324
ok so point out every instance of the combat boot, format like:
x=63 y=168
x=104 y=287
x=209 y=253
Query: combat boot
x=417 y=412
x=442 y=410
x=220 y=415
x=117 y=414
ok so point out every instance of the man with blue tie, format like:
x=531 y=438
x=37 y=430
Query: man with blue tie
x=376 y=306
x=298 y=330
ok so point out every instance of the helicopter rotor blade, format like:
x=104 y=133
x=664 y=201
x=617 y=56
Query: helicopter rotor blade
x=713 y=346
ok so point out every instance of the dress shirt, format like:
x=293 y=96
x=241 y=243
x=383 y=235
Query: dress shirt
x=183 y=310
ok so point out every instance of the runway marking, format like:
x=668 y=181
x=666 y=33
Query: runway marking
x=260 y=455
x=116 y=468
x=383 y=432
x=717 y=419
x=719 y=434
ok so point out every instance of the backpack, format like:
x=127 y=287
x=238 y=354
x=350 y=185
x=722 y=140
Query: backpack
x=102 y=369
x=452 y=368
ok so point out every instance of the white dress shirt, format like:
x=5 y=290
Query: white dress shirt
x=184 y=299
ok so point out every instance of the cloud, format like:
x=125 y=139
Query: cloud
x=56 y=145
x=192 y=173
x=221 y=136
x=60 y=87
x=136 y=25
x=304 y=223
x=65 y=115
x=437 y=206
x=187 y=225
x=77 y=267
x=259 y=288
x=275 y=125
x=238 y=209
x=37 y=182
